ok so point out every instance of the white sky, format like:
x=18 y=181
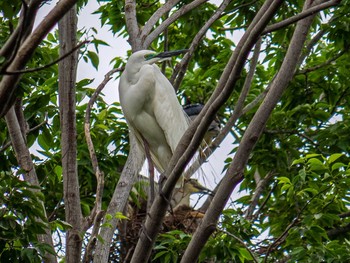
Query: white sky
x=118 y=47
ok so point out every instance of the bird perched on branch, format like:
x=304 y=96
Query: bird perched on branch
x=150 y=106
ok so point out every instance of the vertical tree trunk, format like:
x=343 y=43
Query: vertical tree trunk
x=66 y=88
x=26 y=163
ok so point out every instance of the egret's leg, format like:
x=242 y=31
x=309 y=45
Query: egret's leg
x=151 y=175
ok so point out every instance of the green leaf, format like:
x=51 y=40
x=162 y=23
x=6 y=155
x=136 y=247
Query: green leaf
x=94 y=59
x=335 y=157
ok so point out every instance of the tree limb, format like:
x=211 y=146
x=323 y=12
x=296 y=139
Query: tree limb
x=8 y=83
x=305 y=13
x=17 y=72
x=67 y=70
x=119 y=199
x=132 y=25
x=164 y=9
x=157 y=31
x=98 y=173
x=180 y=69
x=234 y=174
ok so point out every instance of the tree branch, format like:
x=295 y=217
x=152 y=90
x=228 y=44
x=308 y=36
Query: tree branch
x=17 y=72
x=180 y=69
x=98 y=173
x=183 y=10
x=242 y=242
x=237 y=113
x=261 y=184
x=119 y=200
x=234 y=174
x=324 y=64
x=9 y=82
x=132 y=25
x=309 y=12
x=164 y=9
x=67 y=70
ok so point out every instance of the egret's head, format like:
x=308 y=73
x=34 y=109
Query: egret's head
x=142 y=57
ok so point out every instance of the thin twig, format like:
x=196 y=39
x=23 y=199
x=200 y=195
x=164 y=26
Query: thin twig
x=98 y=173
x=47 y=65
x=324 y=64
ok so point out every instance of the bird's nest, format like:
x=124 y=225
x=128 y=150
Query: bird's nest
x=183 y=218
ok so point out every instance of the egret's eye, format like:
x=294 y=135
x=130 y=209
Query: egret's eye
x=149 y=56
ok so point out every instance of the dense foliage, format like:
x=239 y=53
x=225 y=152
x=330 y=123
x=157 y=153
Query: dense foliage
x=298 y=173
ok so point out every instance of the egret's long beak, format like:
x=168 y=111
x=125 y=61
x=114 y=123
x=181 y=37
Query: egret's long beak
x=168 y=54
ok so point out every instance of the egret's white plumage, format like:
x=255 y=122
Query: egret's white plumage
x=150 y=106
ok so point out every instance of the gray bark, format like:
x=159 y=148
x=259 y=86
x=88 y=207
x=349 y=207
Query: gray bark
x=67 y=77
x=26 y=163
x=235 y=171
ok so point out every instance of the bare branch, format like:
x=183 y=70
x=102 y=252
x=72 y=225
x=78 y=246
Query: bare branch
x=309 y=12
x=180 y=69
x=164 y=9
x=98 y=173
x=237 y=113
x=119 y=199
x=256 y=196
x=183 y=10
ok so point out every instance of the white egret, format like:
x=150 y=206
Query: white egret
x=150 y=106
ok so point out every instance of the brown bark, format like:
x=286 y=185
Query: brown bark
x=66 y=88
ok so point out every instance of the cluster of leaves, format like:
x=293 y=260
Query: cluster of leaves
x=22 y=219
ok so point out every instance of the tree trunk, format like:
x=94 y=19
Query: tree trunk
x=66 y=88
x=25 y=162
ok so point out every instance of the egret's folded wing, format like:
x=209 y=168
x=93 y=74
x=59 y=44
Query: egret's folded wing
x=168 y=111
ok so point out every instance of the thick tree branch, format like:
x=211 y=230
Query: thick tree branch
x=237 y=113
x=164 y=9
x=8 y=83
x=157 y=31
x=132 y=25
x=119 y=199
x=309 y=12
x=235 y=171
